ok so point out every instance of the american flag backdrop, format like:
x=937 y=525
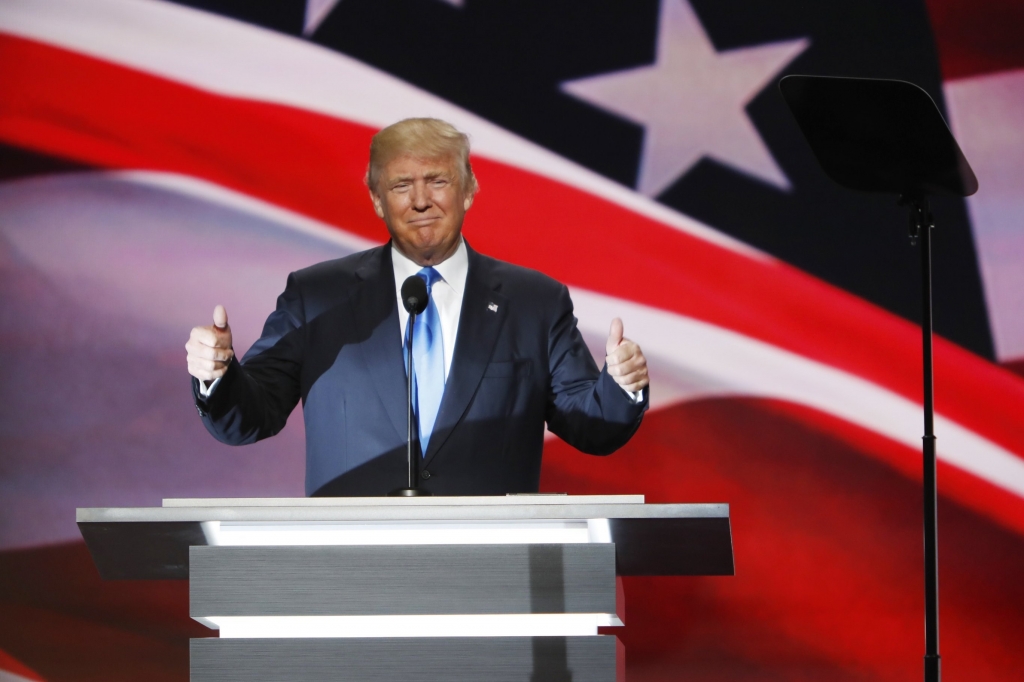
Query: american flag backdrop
x=160 y=157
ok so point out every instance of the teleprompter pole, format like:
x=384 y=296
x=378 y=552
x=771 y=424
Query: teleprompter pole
x=921 y=225
x=888 y=136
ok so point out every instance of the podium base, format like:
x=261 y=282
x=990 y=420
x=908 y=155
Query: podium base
x=409 y=492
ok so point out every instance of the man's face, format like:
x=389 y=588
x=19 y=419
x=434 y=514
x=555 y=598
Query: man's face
x=423 y=204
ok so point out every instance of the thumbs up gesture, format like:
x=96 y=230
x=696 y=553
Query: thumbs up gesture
x=209 y=348
x=626 y=362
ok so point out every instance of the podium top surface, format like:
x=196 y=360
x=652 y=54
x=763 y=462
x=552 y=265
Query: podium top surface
x=490 y=501
x=649 y=539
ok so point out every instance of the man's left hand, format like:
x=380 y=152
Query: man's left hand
x=626 y=362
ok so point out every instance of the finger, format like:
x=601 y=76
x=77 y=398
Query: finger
x=614 y=336
x=207 y=365
x=207 y=372
x=210 y=336
x=634 y=381
x=204 y=352
x=202 y=365
x=220 y=317
x=626 y=350
x=636 y=385
x=203 y=335
x=633 y=364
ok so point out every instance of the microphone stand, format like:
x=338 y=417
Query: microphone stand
x=410 y=490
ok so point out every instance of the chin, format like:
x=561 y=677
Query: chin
x=431 y=245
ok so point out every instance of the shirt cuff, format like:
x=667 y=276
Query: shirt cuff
x=206 y=391
x=637 y=397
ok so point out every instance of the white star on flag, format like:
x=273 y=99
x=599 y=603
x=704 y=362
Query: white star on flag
x=692 y=101
x=316 y=12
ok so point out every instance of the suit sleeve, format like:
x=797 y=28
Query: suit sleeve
x=586 y=408
x=255 y=396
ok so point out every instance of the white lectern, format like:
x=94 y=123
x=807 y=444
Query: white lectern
x=426 y=589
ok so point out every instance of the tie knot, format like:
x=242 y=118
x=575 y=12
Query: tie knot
x=429 y=275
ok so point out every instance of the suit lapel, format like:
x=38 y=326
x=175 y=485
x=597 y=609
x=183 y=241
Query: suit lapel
x=480 y=322
x=375 y=311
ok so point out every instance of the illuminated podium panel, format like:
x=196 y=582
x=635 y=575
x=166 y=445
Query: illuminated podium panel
x=507 y=588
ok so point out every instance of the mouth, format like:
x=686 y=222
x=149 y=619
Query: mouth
x=425 y=220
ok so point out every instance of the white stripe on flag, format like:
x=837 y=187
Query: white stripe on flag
x=7 y=676
x=221 y=196
x=986 y=113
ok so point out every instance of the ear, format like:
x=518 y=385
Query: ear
x=467 y=202
x=378 y=207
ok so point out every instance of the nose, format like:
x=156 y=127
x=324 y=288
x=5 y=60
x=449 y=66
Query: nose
x=420 y=196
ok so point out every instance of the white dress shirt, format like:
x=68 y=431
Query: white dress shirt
x=446 y=293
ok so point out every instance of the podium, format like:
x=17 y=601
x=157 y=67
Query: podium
x=428 y=589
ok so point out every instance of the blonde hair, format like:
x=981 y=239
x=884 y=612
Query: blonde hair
x=429 y=138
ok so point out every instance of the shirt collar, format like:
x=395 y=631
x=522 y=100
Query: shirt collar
x=453 y=270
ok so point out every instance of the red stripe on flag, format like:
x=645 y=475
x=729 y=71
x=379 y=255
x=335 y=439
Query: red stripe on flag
x=11 y=665
x=974 y=493
x=975 y=38
x=60 y=617
x=66 y=104
x=1015 y=366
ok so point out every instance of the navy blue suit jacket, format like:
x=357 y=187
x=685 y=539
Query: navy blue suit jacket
x=334 y=343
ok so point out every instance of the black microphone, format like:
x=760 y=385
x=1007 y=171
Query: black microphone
x=414 y=298
x=414 y=295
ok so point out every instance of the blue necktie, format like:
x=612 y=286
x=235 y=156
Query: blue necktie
x=428 y=363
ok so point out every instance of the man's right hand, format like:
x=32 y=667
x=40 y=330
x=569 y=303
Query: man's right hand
x=209 y=348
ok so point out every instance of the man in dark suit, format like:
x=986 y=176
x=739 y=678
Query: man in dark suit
x=498 y=353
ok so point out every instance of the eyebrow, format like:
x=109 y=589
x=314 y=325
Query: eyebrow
x=433 y=175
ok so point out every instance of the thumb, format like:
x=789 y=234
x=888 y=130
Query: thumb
x=614 y=336
x=220 y=317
